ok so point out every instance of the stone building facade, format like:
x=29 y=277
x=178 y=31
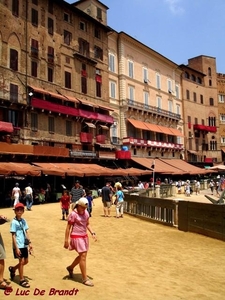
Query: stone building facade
x=146 y=94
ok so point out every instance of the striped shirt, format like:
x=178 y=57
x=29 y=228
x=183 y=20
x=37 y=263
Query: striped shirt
x=76 y=193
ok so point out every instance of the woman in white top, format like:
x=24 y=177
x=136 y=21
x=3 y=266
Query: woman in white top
x=16 y=193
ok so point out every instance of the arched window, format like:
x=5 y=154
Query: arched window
x=212 y=121
x=186 y=75
x=199 y=80
x=213 y=145
x=193 y=78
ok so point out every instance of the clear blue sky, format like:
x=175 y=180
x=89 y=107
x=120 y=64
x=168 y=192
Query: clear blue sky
x=177 y=29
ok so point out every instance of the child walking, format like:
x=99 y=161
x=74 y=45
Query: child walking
x=65 y=204
x=21 y=244
x=77 y=226
x=120 y=202
x=90 y=202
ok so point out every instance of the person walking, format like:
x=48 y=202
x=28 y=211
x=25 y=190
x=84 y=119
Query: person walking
x=16 y=194
x=107 y=199
x=76 y=192
x=3 y=284
x=90 y=202
x=188 y=189
x=217 y=189
x=211 y=186
x=117 y=184
x=21 y=244
x=120 y=202
x=197 y=187
x=77 y=226
x=65 y=204
x=29 y=196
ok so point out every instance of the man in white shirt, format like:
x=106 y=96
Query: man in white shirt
x=29 y=196
x=16 y=193
x=140 y=185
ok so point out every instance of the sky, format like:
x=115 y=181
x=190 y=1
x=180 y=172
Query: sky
x=177 y=29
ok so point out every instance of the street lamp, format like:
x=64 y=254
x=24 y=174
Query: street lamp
x=153 y=177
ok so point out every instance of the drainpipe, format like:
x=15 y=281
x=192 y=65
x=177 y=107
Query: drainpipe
x=26 y=48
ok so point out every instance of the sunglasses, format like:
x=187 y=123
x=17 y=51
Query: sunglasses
x=17 y=209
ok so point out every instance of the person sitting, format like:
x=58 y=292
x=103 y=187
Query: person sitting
x=41 y=196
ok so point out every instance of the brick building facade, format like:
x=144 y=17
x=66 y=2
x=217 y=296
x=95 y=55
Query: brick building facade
x=54 y=77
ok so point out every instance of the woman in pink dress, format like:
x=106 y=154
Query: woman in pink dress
x=77 y=226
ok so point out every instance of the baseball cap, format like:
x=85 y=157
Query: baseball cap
x=18 y=205
x=82 y=202
x=77 y=181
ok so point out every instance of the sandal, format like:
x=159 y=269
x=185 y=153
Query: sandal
x=70 y=272
x=88 y=282
x=12 y=273
x=4 y=285
x=24 y=283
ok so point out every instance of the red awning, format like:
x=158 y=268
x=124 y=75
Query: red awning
x=43 y=104
x=204 y=128
x=6 y=127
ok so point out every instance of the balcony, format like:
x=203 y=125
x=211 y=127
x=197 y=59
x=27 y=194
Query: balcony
x=6 y=127
x=205 y=128
x=151 y=144
x=153 y=109
x=86 y=137
x=100 y=139
x=85 y=58
x=121 y=154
